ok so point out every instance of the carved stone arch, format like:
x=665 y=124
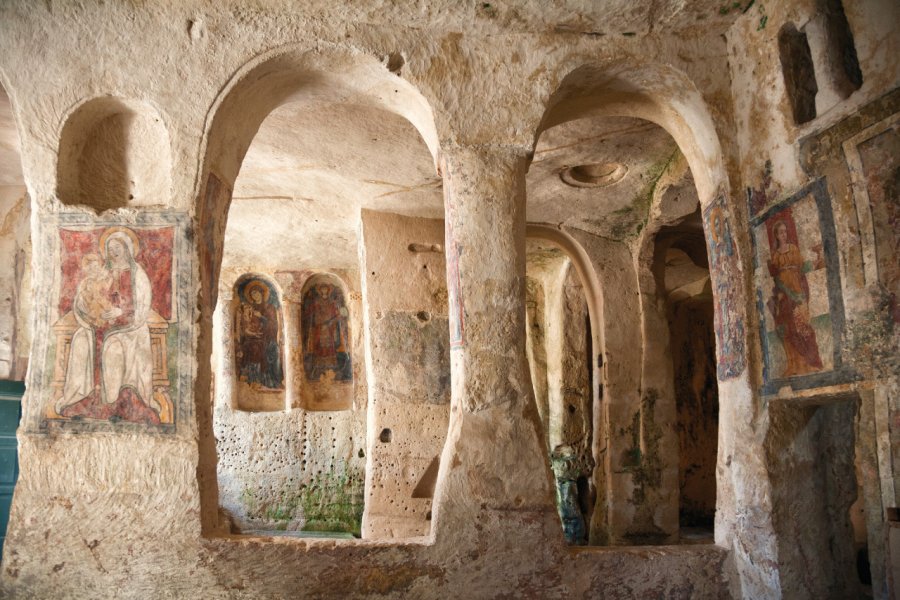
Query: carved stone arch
x=288 y=73
x=667 y=97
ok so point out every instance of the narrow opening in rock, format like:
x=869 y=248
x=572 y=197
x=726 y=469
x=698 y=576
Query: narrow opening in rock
x=799 y=75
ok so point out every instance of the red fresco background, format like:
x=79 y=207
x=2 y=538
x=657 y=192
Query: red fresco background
x=154 y=255
x=788 y=217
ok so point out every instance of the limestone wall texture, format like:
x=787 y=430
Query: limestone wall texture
x=15 y=301
x=291 y=467
x=828 y=180
x=409 y=370
x=122 y=498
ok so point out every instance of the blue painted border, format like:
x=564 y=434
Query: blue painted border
x=841 y=373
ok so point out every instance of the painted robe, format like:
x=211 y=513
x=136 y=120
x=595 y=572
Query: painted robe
x=789 y=306
x=325 y=332
x=126 y=359
x=260 y=360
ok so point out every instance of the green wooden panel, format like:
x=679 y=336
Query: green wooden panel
x=10 y=411
x=9 y=417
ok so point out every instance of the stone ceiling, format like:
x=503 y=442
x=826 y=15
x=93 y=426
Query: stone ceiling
x=587 y=17
x=307 y=174
x=639 y=147
x=311 y=168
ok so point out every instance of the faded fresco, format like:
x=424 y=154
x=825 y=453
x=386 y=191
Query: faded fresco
x=326 y=335
x=792 y=265
x=725 y=271
x=259 y=346
x=454 y=286
x=213 y=212
x=115 y=341
x=798 y=289
x=873 y=158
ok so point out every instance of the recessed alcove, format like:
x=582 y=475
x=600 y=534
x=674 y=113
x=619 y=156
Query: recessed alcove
x=326 y=379
x=799 y=74
x=15 y=250
x=811 y=450
x=114 y=153
x=819 y=61
x=258 y=339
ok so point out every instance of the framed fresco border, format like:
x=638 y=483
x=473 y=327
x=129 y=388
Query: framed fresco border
x=859 y=185
x=181 y=319
x=840 y=373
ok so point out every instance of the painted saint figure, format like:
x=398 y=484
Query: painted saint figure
x=126 y=360
x=325 y=334
x=91 y=301
x=109 y=373
x=259 y=337
x=789 y=304
x=723 y=262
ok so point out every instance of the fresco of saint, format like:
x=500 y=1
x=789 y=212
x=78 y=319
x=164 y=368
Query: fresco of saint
x=259 y=336
x=789 y=303
x=326 y=345
x=109 y=371
x=723 y=262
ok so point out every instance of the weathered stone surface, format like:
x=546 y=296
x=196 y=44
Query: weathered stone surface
x=405 y=289
x=127 y=112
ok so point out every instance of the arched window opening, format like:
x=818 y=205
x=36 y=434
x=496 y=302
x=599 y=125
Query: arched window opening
x=351 y=448
x=603 y=162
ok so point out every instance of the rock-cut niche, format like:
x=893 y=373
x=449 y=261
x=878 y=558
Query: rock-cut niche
x=114 y=153
x=258 y=345
x=327 y=369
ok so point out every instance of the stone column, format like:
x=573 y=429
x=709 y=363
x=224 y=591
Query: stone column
x=223 y=352
x=494 y=469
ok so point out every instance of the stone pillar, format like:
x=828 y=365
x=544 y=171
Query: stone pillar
x=223 y=352
x=656 y=464
x=494 y=469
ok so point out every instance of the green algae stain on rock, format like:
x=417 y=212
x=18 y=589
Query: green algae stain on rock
x=331 y=501
x=334 y=503
x=642 y=458
x=627 y=222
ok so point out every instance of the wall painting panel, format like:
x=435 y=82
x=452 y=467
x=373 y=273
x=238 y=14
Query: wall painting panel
x=873 y=159
x=259 y=345
x=798 y=291
x=326 y=341
x=119 y=336
x=326 y=335
x=725 y=271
